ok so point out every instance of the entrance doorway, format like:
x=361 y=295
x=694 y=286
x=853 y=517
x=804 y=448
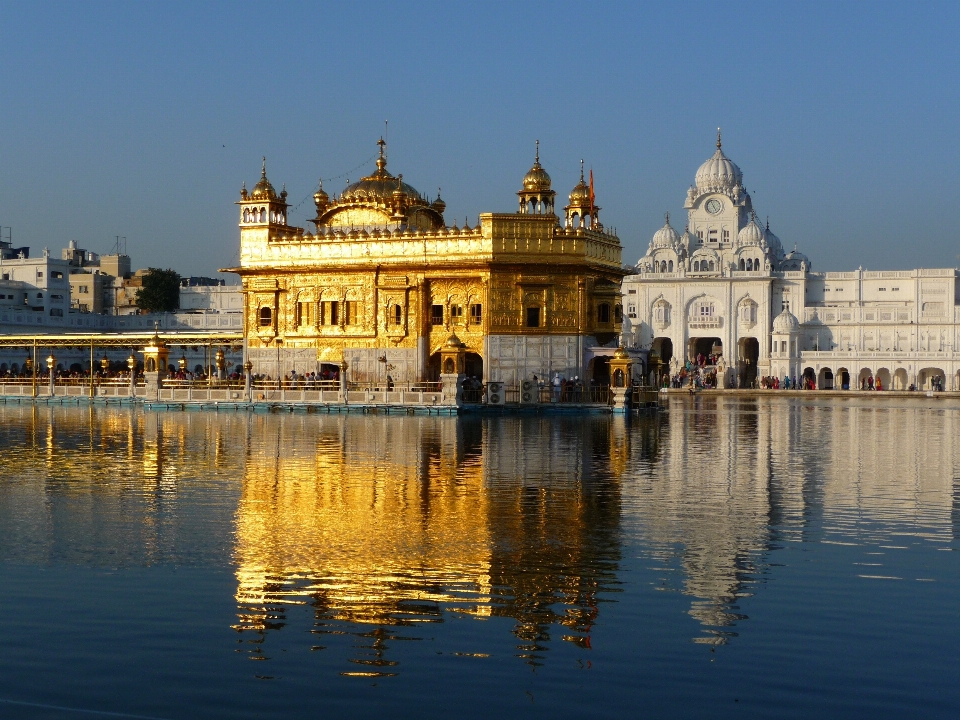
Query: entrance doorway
x=707 y=347
x=749 y=350
x=600 y=371
x=473 y=366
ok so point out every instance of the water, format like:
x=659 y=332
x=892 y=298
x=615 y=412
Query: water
x=732 y=558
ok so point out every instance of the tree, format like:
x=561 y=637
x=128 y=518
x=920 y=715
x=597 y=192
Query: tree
x=160 y=291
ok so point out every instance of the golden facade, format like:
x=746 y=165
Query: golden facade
x=383 y=282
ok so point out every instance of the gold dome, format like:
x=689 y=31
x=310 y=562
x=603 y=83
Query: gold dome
x=580 y=195
x=621 y=354
x=320 y=197
x=263 y=190
x=537 y=178
x=454 y=342
x=439 y=205
x=379 y=186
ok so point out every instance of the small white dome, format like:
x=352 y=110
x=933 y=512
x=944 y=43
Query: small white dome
x=688 y=241
x=665 y=237
x=786 y=323
x=751 y=234
x=773 y=242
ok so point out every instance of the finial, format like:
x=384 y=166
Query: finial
x=263 y=169
x=581 y=169
x=382 y=145
x=321 y=184
x=666 y=217
x=718 y=139
x=438 y=193
x=537 y=158
x=768 y=223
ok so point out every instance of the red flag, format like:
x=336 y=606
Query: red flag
x=591 y=195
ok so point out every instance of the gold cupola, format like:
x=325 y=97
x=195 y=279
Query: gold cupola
x=263 y=190
x=537 y=197
x=581 y=210
x=262 y=206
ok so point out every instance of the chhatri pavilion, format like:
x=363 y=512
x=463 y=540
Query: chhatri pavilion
x=383 y=283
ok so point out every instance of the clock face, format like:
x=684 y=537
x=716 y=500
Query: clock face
x=714 y=206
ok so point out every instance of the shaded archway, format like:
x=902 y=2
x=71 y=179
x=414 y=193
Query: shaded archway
x=749 y=355
x=883 y=379
x=863 y=377
x=842 y=379
x=432 y=373
x=825 y=379
x=900 y=381
x=599 y=370
x=663 y=346
x=932 y=379
x=809 y=376
x=705 y=346
x=473 y=366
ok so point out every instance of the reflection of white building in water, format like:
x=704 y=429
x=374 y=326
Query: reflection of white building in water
x=725 y=284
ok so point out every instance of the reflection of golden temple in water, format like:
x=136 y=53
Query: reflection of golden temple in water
x=387 y=522
x=374 y=525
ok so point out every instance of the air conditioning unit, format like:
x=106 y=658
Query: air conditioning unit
x=495 y=393
x=529 y=392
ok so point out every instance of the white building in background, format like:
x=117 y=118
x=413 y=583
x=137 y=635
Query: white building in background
x=39 y=287
x=725 y=286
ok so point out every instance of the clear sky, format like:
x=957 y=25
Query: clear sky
x=143 y=119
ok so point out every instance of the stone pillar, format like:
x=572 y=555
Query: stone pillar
x=451 y=389
x=248 y=380
x=343 y=381
x=621 y=379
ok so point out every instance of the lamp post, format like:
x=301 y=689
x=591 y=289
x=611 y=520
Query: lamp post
x=105 y=365
x=248 y=380
x=182 y=363
x=132 y=364
x=221 y=364
x=51 y=362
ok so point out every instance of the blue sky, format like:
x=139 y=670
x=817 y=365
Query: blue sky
x=143 y=119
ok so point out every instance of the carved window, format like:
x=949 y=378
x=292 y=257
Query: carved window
x=351 y=312
x=533 y=317
x=704 y=309
x=603 y=313
x=618 y=313
x=330 y=313
x=456 y=313
x=397 y=315
x=436 y=314
x=305 y=314
x=726 y=236
x=476 y=314
x=266 y=317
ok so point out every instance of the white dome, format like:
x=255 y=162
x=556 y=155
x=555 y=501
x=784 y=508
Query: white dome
x=665 y=237
x=751 y=234
x=773 y=241
x=718 y=173
x=786 y=323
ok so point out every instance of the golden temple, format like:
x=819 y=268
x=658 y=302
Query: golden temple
x=383 y=282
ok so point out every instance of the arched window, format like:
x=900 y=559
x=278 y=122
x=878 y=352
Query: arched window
x=246 y=214
x=670 y=266
x=448 y=366
x=696 y=266
x=710 y=267
x=397 y=315
x=743 y=265
x=266 y=317
x=575 y=220
x=603 y=313
x=749 y=264
x=618 y=313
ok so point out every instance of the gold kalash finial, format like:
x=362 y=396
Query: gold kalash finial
x=382 y=160
x=719 y=143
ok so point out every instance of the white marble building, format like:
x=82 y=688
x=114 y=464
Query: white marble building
x=725 y=286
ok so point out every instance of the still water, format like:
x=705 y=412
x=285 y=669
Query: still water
x=732 y=558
